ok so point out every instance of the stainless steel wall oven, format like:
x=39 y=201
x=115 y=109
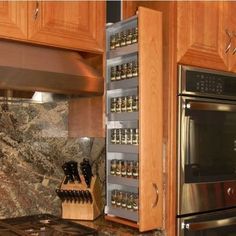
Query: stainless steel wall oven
x=206 y=152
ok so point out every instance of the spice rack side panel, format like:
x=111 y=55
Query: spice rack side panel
x=150 y=120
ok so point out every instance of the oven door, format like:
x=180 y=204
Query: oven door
x=221 y=223
x=206 y=155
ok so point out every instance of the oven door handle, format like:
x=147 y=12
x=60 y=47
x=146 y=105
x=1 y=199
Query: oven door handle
x=207 y=106
x=209 y=224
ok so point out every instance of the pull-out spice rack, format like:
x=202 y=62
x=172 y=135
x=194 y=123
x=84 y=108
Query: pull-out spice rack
x=134 y=121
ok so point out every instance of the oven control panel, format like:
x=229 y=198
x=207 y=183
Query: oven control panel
x=204 y=82
x=208 y=84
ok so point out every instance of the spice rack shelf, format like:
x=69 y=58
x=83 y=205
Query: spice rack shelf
x=123 y=84
x=121 y=156
x=133 y=48
x=134 y=120
x=122 y=116
x=123 y=213
x=123 y=148
x=123 y=181
x=116 y=28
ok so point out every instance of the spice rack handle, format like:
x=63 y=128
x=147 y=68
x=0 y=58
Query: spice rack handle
x=157 y=195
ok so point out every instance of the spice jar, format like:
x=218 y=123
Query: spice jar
x=124 y=200
x=118 y=104
x=113 y=74
x=129 y=204
x=124 y=136
x=113 y=104
x=129 y=169
x=118 y=136
x=129 y=104
x=118 y=72
x=134 y=69
x=135 y=103
x=129 y=37
x=123 y=168
x=129 y=70
x=118 y=167
x=113 y=197
x=129 y=136
x=135 y=172
x=117 y=40
x=134 y=35
x=112 y=42
x=123 y=71
x=113 y=167
x=122 y=39
x=135 y=140
x=135 y=203
x=123 y=104
x=113 y=136
x=118 y=198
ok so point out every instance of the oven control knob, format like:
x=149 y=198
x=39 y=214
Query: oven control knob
x=230 y=191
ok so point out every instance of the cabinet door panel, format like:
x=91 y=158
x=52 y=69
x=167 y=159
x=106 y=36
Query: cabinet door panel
x=201 y=37
x=150 y=120
x=69 y=24
x=13 y=19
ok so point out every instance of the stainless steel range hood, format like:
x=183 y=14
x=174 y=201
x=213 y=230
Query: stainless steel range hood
x=30 y=68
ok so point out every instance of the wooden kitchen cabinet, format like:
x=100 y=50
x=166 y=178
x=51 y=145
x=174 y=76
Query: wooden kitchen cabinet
x=13 y=20
x=202 y=37
x=70 y=24
x=145 y=123
x=75 y=25
x=194 y=34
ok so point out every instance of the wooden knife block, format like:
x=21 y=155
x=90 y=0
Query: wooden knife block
x=83 y=211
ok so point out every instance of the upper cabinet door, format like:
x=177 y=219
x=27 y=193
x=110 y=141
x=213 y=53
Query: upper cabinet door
x=201 y=37
x=70 y=24
x=13 y=19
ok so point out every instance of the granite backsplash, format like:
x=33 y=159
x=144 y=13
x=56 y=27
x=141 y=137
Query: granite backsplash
x=34 y=144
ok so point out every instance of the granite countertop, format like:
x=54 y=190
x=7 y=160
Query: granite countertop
x=108 y=228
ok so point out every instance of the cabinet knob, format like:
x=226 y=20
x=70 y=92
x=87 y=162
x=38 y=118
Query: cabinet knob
x=36 y=11
x=230 y=191
x=230 y=35
x=157 y=195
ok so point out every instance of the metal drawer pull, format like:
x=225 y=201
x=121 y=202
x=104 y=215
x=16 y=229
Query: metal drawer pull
x=157 y=195
x=207 y=106
x=229 y=42
x=211 y=224
x=36 y=11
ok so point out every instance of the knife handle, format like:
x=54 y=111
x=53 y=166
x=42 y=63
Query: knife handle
x=76 y=192
x=89 y=196
x=81 y=196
